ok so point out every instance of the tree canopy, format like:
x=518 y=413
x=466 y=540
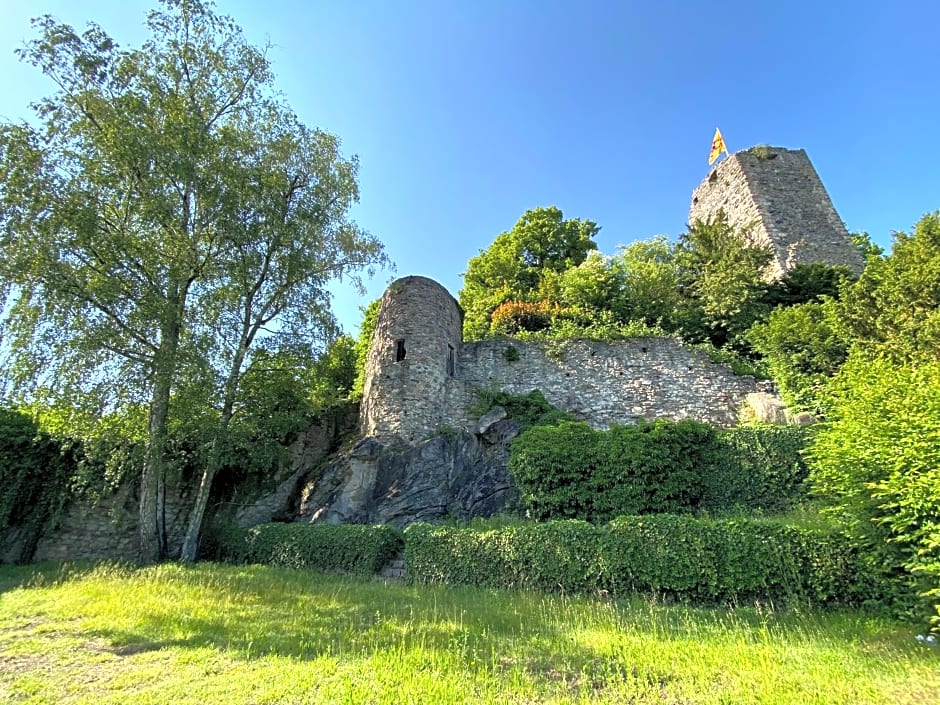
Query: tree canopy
x=168 y=215
x=521 y=263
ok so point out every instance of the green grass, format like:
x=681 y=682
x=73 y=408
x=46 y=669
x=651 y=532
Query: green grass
x=251 y=634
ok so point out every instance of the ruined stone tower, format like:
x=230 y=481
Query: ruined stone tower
x=412 y=361
x=777 y=193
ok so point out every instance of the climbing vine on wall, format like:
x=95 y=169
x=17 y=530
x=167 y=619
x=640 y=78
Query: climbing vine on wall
x=36 y=471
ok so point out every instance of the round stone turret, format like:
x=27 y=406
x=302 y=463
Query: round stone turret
x=412 y=361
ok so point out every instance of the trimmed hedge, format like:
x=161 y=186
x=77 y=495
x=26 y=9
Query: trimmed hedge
x=569 y=471
x=681 y=557
x=353 y=548
x=761 y=468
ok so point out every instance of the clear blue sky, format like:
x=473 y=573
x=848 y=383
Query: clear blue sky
x=466 y=114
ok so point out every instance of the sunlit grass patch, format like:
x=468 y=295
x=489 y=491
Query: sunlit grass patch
x=251 y=634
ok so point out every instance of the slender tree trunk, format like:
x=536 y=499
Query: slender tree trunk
x=152 y=527
x=194 y=529
x=152 y=511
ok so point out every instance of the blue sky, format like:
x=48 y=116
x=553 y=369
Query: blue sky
x=464 y=115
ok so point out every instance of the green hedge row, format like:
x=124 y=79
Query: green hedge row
x=759 y=468
x=353 y=548
x=681 y=557
x=571 y=471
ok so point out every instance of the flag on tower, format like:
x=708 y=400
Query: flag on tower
x=718 y=146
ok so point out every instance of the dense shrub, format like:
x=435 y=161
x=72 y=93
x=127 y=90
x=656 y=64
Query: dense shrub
x=550 y=556
x=346 y=547
x=571 y=471
x=677 y=556
x=761 y=468
x=877 y=467
x=530 y=409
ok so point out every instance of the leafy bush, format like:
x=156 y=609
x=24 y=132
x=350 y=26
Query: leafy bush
x=877 y=465
x=762 y=468
x=559 y=555
x=803 y=349
x=571 y=471
x=530 y=409
x=678 y=556
x=346 y=547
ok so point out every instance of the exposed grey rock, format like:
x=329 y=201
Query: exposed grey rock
x=453 y=475
x=804 y=418
x=767 y=408
x=497 y=413
x=502 y=432
x=307 y=451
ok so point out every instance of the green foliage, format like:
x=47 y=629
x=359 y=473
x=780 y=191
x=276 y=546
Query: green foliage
x=530 y=409
x=761 y=469
x=572 y=471
x=678 y=556
x=720 y=281
x=333 y=374
x=36 y=472
x=802 y=347
x=877 y=464
x=595 y=285
x=866 y=248
x=651 y=282
x=740 y=364
x=168 y=215
x=510 y=353
x=370 y=319
x=352 y=548
x=571 y=324
x=762 y=152
x=807 y=283
x=521 y=262
x=894 y=307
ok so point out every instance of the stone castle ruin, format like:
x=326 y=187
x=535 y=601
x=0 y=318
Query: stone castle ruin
x=420 y=454
x=422 y=378
x=776 y=195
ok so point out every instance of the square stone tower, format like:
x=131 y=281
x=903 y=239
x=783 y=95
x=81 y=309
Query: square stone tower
x=777 y=194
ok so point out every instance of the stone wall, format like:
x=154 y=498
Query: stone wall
x=107 y=528
x=605 y=383
x=778 y=193
x=412 y=360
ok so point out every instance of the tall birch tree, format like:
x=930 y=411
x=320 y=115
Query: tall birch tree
x=166 y=213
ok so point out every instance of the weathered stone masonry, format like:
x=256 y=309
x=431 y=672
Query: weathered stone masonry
x=433 y=386
x=412 y=361
x=778 y=194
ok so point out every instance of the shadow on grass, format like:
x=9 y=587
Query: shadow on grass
x=38 y=575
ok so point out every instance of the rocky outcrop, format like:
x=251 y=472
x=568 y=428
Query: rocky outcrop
x=766 y=407
x=307 y=451
x=456 y=474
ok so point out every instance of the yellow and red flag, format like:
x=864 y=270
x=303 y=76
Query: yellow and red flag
x=718 y=146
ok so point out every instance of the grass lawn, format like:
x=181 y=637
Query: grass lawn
x=250 y=634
